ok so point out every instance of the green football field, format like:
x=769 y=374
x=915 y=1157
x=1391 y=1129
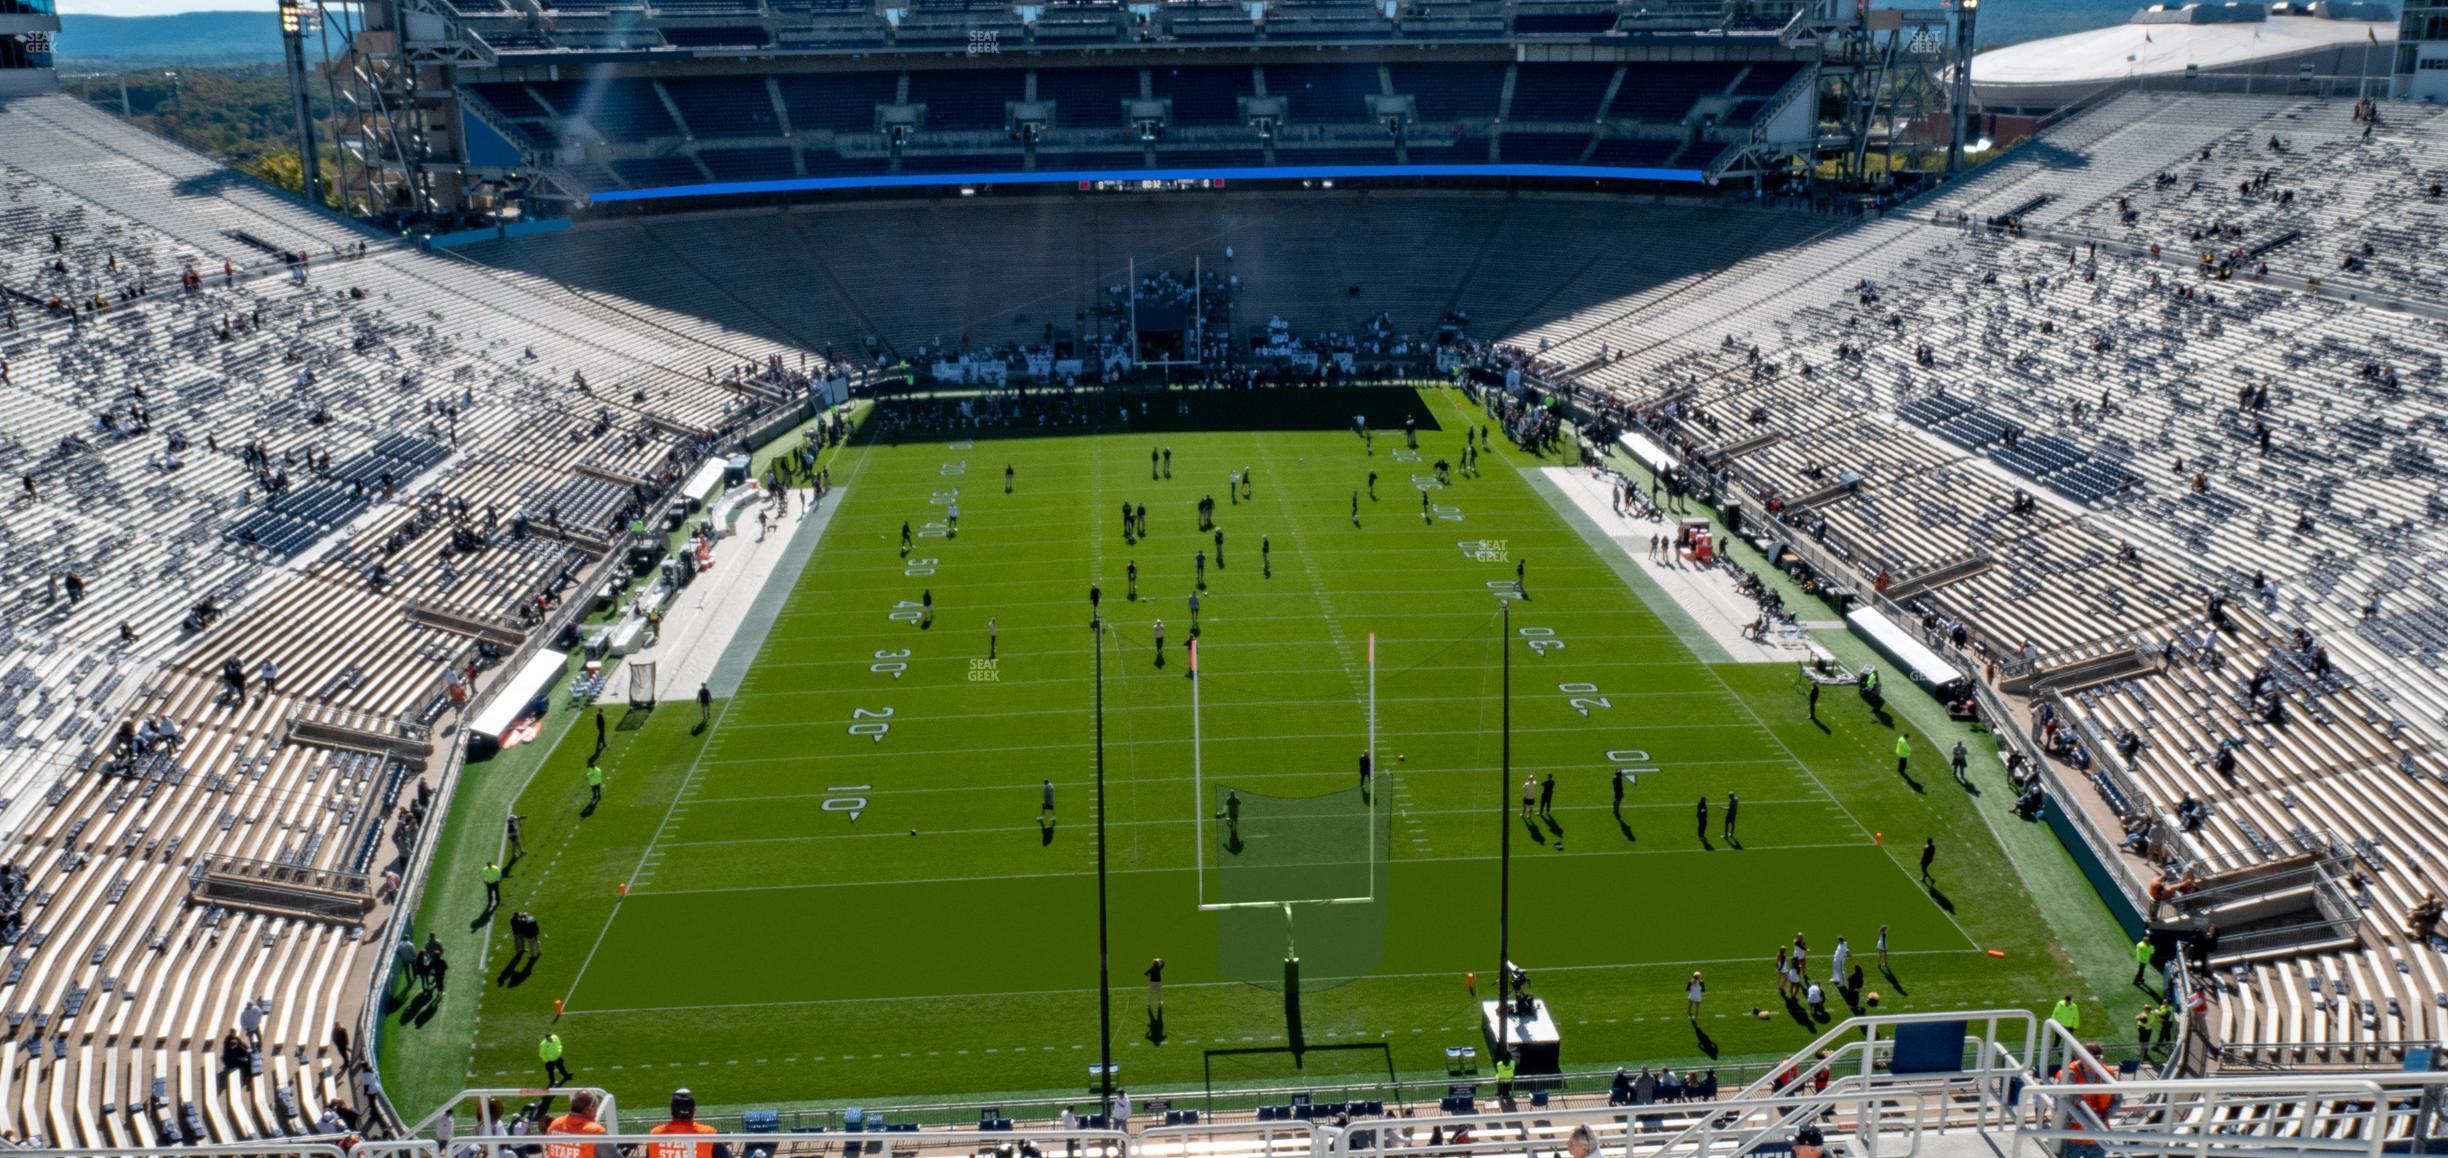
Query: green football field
x=842 y=888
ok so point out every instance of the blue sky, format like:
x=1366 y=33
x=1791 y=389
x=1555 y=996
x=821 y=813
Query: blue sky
x=159 y=7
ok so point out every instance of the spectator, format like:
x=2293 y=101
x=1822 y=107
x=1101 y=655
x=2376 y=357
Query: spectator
x=684 y=1122
x=579 y=1122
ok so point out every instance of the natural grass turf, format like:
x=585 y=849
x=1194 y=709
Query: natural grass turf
x=799 y=955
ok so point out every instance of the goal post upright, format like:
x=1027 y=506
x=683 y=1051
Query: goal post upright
x=1367 y=802
x=1198 y=790
x=1198 y=787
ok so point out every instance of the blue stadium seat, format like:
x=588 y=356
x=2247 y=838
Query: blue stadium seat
x=763 y=164
x=1563 y=23
x=1544 y=148
x=738 y=36
x=1204 y=95
x=620 y=109
x=1451 y=92
x=1320 y=93
x=724 y=106
x=825 y=163
x=1377 y=156
x=1469 y=152
x=658 y=172
x=844 y=102
x=1209 y=158
x=1632 y=152
x=1088 y=97
x=1000 y=162
x=1048 y=161
x=1666 y=92
x=512 y=100
x=966 y=100
x=1766 y=77
x=1562 y=92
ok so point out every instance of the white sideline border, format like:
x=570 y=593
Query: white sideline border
x=1706 y=596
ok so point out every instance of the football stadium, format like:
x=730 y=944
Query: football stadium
x=1230 y=580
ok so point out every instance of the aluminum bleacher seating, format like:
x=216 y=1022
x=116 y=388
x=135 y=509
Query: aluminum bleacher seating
x=456 y=382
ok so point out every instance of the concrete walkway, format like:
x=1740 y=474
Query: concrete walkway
x=730 y=608
x=1706 y=595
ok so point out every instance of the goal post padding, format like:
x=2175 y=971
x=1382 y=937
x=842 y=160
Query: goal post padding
x=1299 y=875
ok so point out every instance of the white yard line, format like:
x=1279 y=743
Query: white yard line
x=688 y=780
x=935 y=833
x=1155 y=871
x=1697 y=962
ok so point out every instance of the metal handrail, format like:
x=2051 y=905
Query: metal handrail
x=338 y=880
x=1320 y=1139
x=285 y=1148
x=1108 y=1142
x=1716 y=1121
x=2058 y=1112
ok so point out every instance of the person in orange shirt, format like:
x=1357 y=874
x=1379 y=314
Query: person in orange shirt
x=684 y=1121
x=2079 y=1072
x=579 y=1121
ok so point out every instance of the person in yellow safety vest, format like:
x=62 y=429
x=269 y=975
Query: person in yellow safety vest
x=1504 y=1077
x=594 y=784
x=580 y=1121
x=492 y=883
x=2143 y=954
x=2067 y=1013
x=684 y=1121
x=2150 y=1024
x=1903 y=753
x=549 y=1051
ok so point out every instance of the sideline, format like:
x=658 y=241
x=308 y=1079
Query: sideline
x=726 y=614
x=1669 y=611
x=1705 y=595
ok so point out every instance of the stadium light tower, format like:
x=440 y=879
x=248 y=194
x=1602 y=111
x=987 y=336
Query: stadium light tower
x=1504 y=854
x=1960 y=98
x=297 y=18
x=1105 y=1074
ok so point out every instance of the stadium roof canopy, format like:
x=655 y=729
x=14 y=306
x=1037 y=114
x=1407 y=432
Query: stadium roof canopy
x=2161 y=43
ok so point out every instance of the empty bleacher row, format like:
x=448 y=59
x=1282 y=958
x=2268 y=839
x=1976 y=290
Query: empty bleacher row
x=291 y=521
x=218 y=213
x=1907 y=396
x=2304 y=188
x=684 y=130
x=423 y=411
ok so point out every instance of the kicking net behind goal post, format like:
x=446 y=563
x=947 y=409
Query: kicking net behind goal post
x=1299 y=876
x=641 y=683
x=1293 y=876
